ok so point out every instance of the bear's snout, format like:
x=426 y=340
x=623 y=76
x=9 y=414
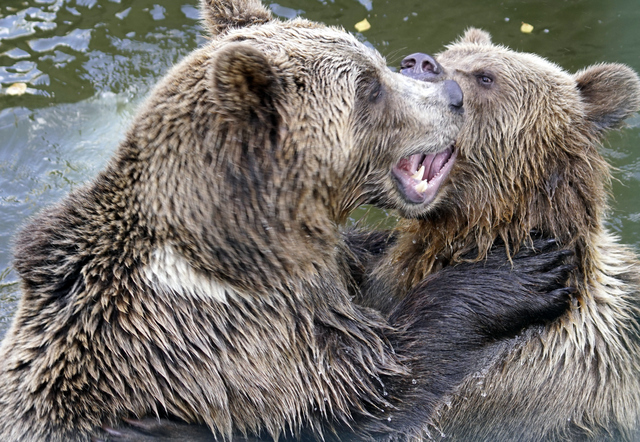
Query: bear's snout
x=421 y=67
x=424 y=67
x=456 y=97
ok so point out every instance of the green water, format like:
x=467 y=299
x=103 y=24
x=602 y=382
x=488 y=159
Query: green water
x=87 y=64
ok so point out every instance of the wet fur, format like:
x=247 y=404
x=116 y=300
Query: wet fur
x=530 y=161
x=473 y=302
x=202 y=274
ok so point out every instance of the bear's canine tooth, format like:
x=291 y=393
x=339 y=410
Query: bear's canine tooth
x=420 y=188
x=419 y=173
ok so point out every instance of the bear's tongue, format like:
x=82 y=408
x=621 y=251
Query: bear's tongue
x=420 y=175
x=433 y=164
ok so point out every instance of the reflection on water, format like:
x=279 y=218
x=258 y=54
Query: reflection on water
x=45 y=153
x=67 y=50
x=86 y=64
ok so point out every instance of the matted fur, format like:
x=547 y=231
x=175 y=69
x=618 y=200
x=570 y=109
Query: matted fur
x=202 y=274
x=528 y=161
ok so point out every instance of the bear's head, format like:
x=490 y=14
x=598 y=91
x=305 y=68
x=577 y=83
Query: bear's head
x=528 y=149
x=272 y=132
x=331 y=114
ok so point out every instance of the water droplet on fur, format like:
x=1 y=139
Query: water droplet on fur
x=389 y=418
x=414 y=382
x=414 y=241
x=483 y=394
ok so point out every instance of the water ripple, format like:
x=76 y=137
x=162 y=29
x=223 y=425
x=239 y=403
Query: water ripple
x=78 y=40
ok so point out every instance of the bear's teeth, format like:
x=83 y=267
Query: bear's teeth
x=419 y=173
x=422 y=186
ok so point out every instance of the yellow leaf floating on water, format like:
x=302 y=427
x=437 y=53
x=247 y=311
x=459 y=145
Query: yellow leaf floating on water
x=16 y=89
x=526 y=28
x=363 y=25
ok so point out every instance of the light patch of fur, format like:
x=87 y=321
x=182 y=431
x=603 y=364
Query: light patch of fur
x=169 y=270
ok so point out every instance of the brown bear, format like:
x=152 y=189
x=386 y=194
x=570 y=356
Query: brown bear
x=202 y=274
x=528 y=160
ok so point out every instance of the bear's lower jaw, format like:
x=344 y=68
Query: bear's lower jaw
x=420 y=176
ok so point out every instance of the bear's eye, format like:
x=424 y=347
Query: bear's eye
x=485 y=79
x=376 y=92
x=370 y=88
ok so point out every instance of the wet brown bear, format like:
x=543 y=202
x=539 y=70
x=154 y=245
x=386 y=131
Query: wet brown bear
x=528 y=160
x=201 y=274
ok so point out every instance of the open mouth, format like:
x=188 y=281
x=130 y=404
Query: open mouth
x=419 y=176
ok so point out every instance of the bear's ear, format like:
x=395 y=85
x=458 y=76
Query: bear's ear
x=610 y=92
x=244 y=82
x=221 y=15
x=477 y=36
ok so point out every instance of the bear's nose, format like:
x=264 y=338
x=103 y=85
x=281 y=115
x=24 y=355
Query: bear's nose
x=456 y=97
x=421 y=66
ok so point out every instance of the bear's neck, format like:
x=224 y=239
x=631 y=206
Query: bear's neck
x=109 y=224
x=445 y=238
x=228 y=206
